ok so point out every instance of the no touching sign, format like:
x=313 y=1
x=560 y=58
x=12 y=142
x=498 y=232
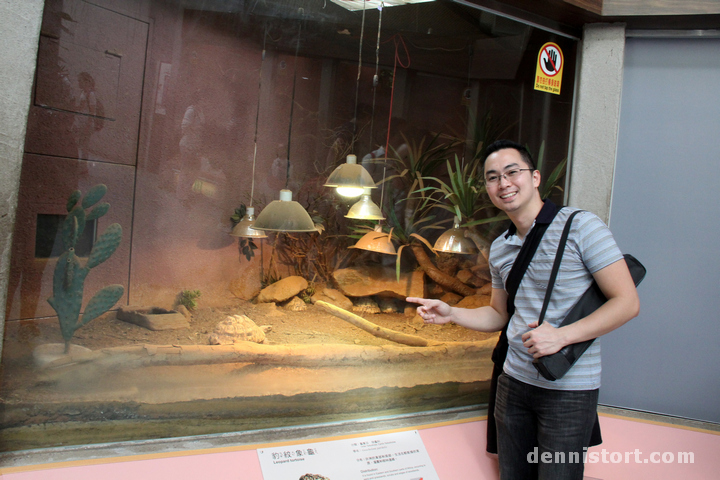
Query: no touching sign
x=548 y=74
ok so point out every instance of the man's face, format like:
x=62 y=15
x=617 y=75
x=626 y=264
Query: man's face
x=511 y=194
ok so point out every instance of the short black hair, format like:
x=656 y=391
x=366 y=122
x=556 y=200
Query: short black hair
x=503 y=144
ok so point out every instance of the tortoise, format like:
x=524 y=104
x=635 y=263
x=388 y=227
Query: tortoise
x=237 y=328
x=365 y=305
x=296 y=305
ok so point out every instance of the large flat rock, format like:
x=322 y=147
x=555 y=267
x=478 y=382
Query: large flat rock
x=378 y=280
x=282 y=290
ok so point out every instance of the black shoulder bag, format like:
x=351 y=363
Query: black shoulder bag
x=554 y=366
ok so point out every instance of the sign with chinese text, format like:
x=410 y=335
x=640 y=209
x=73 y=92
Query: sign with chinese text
x=548 y=73
x=393 y=456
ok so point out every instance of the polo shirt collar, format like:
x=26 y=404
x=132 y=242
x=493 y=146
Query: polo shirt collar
x=545 y=217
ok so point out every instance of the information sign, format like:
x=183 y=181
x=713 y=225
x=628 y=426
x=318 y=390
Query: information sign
x=392 y=456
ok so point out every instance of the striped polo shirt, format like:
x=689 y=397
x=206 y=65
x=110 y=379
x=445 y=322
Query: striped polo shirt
x=590 y=247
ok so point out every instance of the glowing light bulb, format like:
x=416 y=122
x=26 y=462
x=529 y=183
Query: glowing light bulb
x=350 y=191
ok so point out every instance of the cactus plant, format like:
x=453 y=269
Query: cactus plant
x=69 y=275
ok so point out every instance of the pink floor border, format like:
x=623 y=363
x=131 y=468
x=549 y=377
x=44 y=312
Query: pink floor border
x=630 y=449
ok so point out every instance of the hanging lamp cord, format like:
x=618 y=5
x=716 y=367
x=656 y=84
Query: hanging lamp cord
x=375 y=84
x=357 y=82
x=372 y=115
x=292 y=101
x=257 y=119
x=471 y=53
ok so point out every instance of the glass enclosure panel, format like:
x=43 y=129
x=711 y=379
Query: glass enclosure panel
x=155 y=124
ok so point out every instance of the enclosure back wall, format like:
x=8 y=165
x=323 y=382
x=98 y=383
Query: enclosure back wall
x=159 y=101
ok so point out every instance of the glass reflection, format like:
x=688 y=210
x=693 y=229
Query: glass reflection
x=158 y=101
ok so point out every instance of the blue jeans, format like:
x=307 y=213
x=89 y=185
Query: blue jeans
x=542 y=434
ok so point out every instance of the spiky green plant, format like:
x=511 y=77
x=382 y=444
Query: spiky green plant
x=69 y=276
x=464 y=195
x=418 y=161
x=188 y=298
x=553 y=180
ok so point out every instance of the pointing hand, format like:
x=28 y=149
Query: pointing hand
x=432 y=311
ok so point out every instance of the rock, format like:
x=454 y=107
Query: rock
x=366 y=281
x=182 y=310
x=451 y=298
x=365 y=305
x=282 y=290
x=447 y=263
x=482 y=272
x=474 y=301
x=468 y=277
x=411 y=310
x=485 y=289
x=153 y=318
x=269 y=309
x=334 y=297
x=236 y=328
x=435 y=291
x=245 y=289
x=296 y=305
x=49 y=352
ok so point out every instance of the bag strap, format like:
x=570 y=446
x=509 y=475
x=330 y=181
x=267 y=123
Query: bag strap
x=527 y=251
x=556 y=265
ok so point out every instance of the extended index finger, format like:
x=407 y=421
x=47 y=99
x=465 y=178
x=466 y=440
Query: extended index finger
x=421 y=301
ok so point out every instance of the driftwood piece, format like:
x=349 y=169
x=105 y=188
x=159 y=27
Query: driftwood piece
x=437 y=275
x=337 y=355
x=377 y=330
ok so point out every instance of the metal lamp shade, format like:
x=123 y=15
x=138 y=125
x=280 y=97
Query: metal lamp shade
x=350 y=179
x=354 y=5
x=376 y=241
x=454 y=241
x=245 y=228
x=365 y=209
x=284 y=215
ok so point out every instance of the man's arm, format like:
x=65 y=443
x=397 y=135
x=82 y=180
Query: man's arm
x=485 y=319
x=623 y=304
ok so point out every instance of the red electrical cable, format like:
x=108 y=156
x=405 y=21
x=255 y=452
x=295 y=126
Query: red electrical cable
x=398 y=40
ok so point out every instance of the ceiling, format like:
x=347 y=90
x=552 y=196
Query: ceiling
x=637 y=14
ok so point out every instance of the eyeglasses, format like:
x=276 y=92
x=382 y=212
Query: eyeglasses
x=509 y=175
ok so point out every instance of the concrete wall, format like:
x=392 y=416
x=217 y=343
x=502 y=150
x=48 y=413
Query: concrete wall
x=597 y=118
x=19 y=32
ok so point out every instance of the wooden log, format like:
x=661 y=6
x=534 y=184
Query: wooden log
x=438 y=276
x=377 y=330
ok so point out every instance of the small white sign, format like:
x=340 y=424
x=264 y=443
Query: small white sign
x=393 y=456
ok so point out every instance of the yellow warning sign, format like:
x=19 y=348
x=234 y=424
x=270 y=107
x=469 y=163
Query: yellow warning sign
x=548 y=74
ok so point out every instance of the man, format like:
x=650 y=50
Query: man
x=535 y=415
